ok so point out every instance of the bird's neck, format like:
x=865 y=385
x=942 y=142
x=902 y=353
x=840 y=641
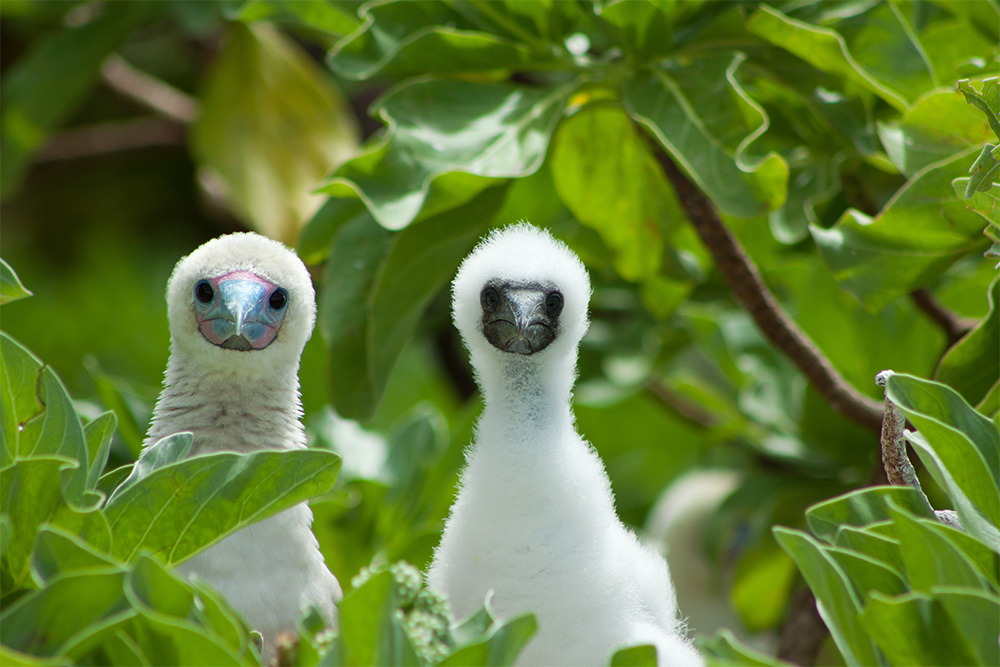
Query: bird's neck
x=229 y=411
x=527 y=398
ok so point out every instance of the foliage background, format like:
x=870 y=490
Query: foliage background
x=827 y=136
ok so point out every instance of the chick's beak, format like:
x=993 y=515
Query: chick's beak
x=240 y=317
x=520 y=324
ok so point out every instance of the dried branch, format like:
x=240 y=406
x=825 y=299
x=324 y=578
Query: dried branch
x=744 y=280
x=104 y=138
x=954 y=326
x=149 y=91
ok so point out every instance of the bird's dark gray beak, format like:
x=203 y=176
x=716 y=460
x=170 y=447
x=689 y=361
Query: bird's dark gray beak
x=520 y=319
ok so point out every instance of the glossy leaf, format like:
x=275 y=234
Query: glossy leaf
x=271 y=127
x=673 y=105
x=421 y=260
x=921 y=232
x=183 y=508
x=915 y=629
x=836 y=601
x=11 y=288
x=861 y=508
x=407 y=38
x=482 y=131
x=964 y=442
x=972 y=366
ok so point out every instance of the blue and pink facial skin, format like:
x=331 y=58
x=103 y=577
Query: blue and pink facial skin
x=238 y=310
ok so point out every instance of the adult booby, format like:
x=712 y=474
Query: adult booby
x=534 y=519
x=241 y=308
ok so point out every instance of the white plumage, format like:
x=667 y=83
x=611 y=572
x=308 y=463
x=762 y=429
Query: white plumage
x=534 y=519
x=232 y=380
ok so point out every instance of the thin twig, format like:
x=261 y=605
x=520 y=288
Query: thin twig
x=105 y=138
x=149 y=91
x=954 y=327
x=744 y=280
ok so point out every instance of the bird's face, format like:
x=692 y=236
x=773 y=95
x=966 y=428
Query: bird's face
x=520 y=317
x=239 y=310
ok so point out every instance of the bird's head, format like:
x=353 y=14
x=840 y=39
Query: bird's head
x=241 y=300
x=521 y=292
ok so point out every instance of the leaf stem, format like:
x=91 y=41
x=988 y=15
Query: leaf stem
x=750 y=291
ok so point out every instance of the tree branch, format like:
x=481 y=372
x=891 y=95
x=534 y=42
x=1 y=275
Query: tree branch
x=744 y=280
x=104 y=138
x=954 y=326
x=803 y=632
x=150 y=92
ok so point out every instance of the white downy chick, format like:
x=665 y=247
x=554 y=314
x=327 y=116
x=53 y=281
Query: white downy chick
x=534 y=519
x=241 y=308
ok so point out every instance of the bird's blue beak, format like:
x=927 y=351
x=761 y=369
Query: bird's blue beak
x=239 y=310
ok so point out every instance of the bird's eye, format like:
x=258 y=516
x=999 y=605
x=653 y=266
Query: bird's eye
x=279 y=298
x=490 y=298
x=553 y=304
x=203 y=291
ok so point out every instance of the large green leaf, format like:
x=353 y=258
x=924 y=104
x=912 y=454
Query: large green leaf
x=453 y=135
x=11 y=288
x=972 y=366
x=422 y=259
x=271 y=127
x=604 y=173
x=915 y=630
x=44 y=87
x=182 y=508
x=371 y=633
x=879 y=54
x=59 y=552
x=867 y=574
x=873 y=544
x=680 y=107
x=921 y=232
x=408 y=38
x=34 y=493
x=957 y=444
x=356 y=253
x=861 y=508
x=939 y=125
x=976 y=615
x=835 y=599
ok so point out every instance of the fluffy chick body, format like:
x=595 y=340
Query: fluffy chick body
x=534 y=519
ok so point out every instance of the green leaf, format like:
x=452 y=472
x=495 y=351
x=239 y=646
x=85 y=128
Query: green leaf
x=420 y=261
x=921 y=232
x=315 y=241
x=271 y=127
x=45 y=86
x=370 y=632
x=481 y=131
x=931 y=559
x=939 y=125
x=59 y=552
x=861 y=508
x=873 y=544
x=874 y=69
x=98 y=434
x=634 y=656
x=987 y=100
x=34 y=494
x=331 y=18
x=11 y=288
x=43 y=622
x=118 y=396
x=498 y=644
x=986 y=203
x=725 y=649
x=604 y=173
x=964 y=442
x=836 y=601
x=173 y=448
x=972 y=366
x=356 y=253
x=680 y=107
x=976 y=615
x=985 y=171
x=867 y=574
x=183 y=508
x=915 y=630
x=420 y=38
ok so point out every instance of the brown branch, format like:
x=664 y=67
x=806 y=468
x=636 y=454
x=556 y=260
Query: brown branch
x=744 y=280
x=149 y=91
x=104 y=138
x=954 y=327
x=803 y=632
